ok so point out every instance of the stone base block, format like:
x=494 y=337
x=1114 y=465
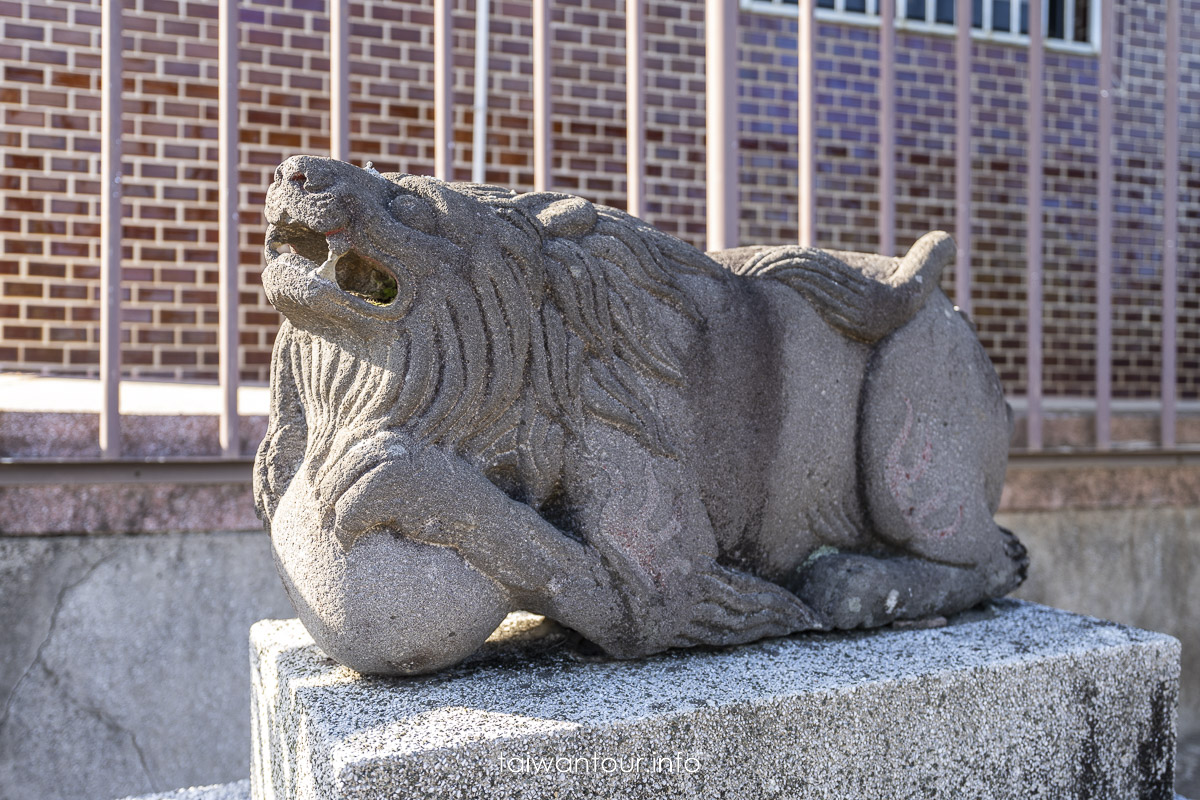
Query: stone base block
x=1013 y=701
x=238 y=790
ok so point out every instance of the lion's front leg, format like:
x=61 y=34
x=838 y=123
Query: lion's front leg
x=644 y=578
x=435 y=497
x=644 y=513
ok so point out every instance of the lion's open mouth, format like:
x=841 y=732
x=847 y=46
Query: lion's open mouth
x=331 y=256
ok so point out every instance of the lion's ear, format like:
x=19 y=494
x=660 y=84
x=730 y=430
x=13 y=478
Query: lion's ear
x=415 y=213
x=571 y=217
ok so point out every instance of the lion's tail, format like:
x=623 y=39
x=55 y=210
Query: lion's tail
x=864 y=296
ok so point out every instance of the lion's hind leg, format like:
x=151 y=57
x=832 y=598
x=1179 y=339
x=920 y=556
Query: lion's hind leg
x=851 y=590
x=933 y=448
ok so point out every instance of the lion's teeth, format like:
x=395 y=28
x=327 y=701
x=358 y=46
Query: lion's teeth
x=328 y=270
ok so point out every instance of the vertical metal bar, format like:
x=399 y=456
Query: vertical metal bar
x=339 y=79
x=483 y=19
x=443 y=89
x=987 y=15
x=930 y=11
x=1104 y=227
x=1033 y=289
x=543 y=98
x=887 y=127
x=720 y=69
x=635 y=107
x=962 y=182
x=1170 y=221
x=110 y=230
x=1069 y=21
x=806 y=45
x=227 y=197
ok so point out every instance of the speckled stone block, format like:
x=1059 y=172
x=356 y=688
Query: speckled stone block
x=1013 y=701
x=238 y=790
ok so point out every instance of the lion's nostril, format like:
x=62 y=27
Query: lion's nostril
x=299 y=176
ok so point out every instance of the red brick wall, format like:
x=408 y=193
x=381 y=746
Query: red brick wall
x=847 y=184
x=49 y=93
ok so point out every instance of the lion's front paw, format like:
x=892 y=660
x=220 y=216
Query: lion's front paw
x=732 y=607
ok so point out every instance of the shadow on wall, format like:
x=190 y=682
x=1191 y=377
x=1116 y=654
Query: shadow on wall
x=124 y=661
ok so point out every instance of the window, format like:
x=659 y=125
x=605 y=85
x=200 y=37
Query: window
x=1067 y=22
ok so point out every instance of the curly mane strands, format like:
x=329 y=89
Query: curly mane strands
x=600 y=271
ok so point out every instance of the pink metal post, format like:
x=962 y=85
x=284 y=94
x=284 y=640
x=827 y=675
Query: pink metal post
x=1033 y=288
x=887 y=127
x=635 y=107
x=543 y=97
x=720 y=72
x=806 y=46
x=227 y=197
x=962 y=183
x=1170 y=221
x=483 y=26
x=339 y=79
x=1104 y=232
x=110 y=229
x=443 y=89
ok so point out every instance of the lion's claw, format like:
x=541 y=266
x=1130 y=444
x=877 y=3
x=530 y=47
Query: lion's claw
x=732 y=607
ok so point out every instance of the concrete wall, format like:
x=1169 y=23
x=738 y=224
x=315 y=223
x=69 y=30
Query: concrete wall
x=1137 y=566
x=123 y=665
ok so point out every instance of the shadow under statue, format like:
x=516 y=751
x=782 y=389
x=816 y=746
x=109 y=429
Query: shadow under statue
x=485 y=401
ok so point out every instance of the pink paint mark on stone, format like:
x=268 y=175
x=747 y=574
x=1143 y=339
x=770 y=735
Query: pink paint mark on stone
x=635 y=528
x=902 y=479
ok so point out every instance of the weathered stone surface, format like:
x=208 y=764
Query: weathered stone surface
x=123 y=667
x=238 y=790
x=1135 y=566
x=484 y=401
x=1187 y=778
x=107 y=508
x=1015 y=701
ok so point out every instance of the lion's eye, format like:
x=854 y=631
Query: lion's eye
x=415 y=213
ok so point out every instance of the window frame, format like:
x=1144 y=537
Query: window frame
x=870 y=19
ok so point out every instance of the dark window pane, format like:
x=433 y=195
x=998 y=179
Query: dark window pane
x=1000 y=15
x=1024 y=17
x=857 y=6
x=824 y=3
x=915 y=9
x=1082 y=20
x=1058 y=19
x=977 y=14
x=945 y=10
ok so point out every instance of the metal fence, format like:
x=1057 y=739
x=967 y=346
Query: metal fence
x=722 y=168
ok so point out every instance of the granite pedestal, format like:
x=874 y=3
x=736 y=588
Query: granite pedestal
x=1012 y=701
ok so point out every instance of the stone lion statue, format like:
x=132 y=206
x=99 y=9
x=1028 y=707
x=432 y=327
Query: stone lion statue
x=485 y=401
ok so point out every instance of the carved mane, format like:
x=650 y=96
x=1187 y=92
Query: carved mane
x=500 y=356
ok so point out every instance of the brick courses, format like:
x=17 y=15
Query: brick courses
x=49 y=145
